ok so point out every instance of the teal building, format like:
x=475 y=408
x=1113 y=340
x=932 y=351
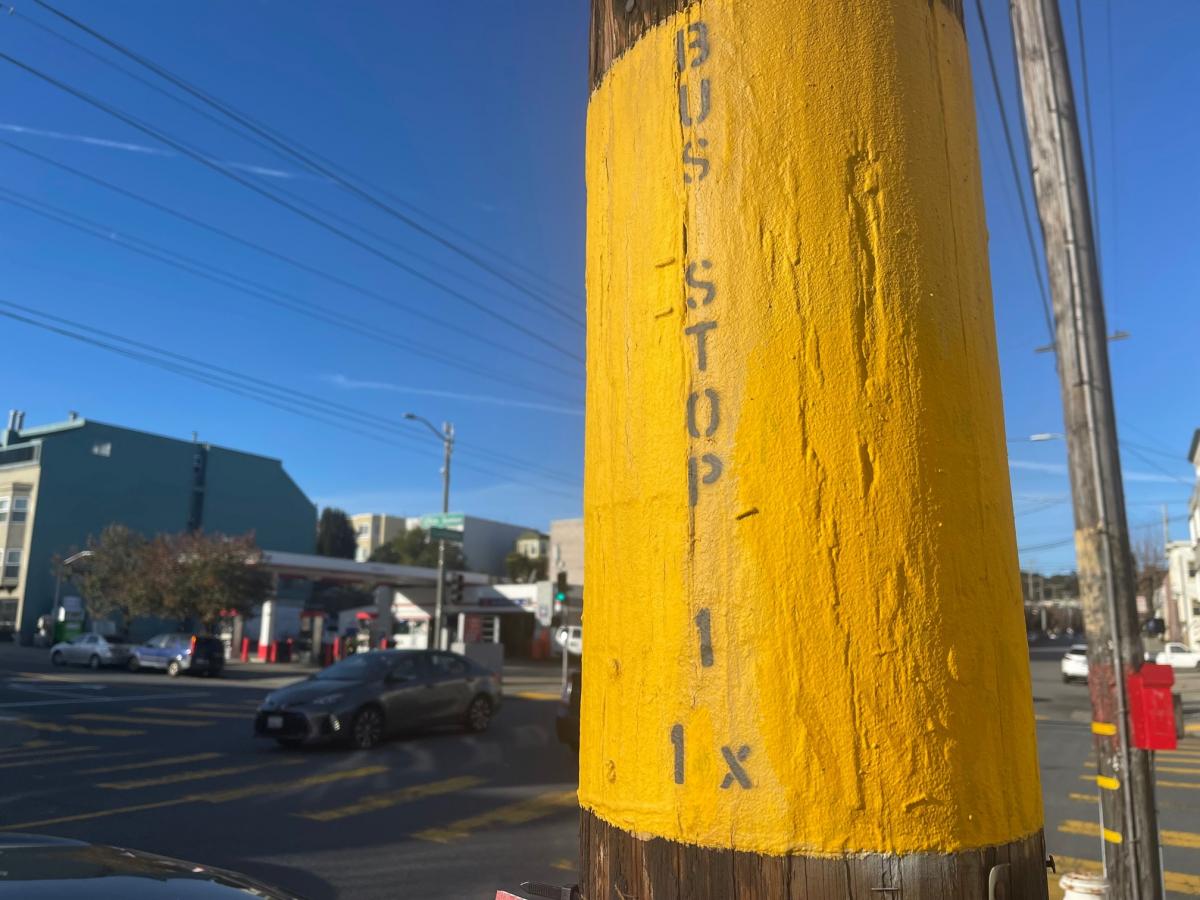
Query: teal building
x=61 y=483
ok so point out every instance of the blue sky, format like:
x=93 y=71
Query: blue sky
x=475 y=112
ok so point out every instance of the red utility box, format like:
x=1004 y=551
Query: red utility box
x=1151 y=708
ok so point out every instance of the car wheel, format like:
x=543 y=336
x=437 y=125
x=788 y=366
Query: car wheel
x=94 y=662
x=479 y=714
x=57 y=658
x=367 y=729
x=133 y=665
x=174 y=668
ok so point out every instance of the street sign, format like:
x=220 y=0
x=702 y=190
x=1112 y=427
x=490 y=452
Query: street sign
x=446 y=534
x=451 y=521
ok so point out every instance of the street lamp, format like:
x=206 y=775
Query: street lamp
x=446 y=436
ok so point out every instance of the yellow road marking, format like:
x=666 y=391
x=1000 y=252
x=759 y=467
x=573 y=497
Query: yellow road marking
x=535 y=695
x=1178 y=770
x=194 y=775
x=512 y=814
x=1104 y=728
x=1084 y=798
x=1175 y=882
x=206 y=713
x=299 y=784
x=103 y=754
x=1093 y=779
x=138 y=720
x=1186 y=839
x=165 y=761
x=25 y=747
x=220 y=797
x=392 y=798
x=42 y=754
x=79 y=729
x=1178 y=784
x=1193 y=728
x=566 y=865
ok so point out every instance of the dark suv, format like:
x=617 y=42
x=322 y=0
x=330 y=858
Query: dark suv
x=178 y=653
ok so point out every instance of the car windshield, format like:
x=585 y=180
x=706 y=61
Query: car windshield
x=360 y=667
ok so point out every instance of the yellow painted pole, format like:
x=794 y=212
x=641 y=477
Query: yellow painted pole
x=805 y=637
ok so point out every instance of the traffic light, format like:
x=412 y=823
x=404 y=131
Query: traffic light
x=560 y=589
x=456 y=587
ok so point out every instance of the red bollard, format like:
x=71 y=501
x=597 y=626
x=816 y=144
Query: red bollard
x=273 y=651
x=383 y=643
x=245 y=649
x=337 y=648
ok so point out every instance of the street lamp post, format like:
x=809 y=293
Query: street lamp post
x=446 y=436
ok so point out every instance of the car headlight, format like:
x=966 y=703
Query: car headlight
x=327 y=700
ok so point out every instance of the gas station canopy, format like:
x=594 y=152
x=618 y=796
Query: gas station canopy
x=328 y=568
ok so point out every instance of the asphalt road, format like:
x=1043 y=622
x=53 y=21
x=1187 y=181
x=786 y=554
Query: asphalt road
x=170 y=766
x=1068 y=770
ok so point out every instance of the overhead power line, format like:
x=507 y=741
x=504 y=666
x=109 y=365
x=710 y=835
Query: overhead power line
x=1094 y=197
x=1012 y=160
x=280 y=396
x=241 y=133
x=309 y=159
x=457 y=330
x=260 y=291
x=218 y=167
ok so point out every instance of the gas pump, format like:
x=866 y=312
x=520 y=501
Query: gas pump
x=68 y=619
x=312 y=636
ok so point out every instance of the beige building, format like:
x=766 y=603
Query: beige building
x=19 y=473
x=566 y=549
x=533 y=545
x=372 y=530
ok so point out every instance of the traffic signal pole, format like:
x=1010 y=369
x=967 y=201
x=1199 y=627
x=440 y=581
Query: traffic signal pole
x=1128 y=819
x=806 y=671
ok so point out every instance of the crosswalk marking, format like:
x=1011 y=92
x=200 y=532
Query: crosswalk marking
x=512 y=814
x=535 y=695
x=387 y=799
x=1185 y=839
x=1175 y=882
x=139 y=720
x=1084 y=798
x=204 y=713
x=218 y=797
x=60 y=728
x=151 y=763
x=195 y=775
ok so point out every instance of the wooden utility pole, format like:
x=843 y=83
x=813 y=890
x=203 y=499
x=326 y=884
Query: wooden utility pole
x=1106 y=573
x=806 y=666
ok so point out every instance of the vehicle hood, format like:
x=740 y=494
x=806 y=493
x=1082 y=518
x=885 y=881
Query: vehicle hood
x=36 y=867
x=306 y=691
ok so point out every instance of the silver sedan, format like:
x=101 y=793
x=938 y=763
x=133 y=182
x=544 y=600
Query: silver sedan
x=93 y=650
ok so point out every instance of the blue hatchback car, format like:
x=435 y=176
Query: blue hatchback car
x=176 y=653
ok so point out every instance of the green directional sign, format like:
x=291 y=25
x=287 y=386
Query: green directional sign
x=448 y=521
x=446 y=534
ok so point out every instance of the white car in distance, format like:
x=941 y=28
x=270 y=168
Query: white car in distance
x=1075 y=664
x=572 y=638
x=1178 y=656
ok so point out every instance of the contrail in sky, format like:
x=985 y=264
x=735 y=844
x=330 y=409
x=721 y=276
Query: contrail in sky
x=353 y=384
x=128 y=147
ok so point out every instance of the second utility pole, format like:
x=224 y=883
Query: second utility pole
x=1106 y=579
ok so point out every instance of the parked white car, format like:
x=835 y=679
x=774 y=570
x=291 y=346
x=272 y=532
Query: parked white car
x=1075 y=664
x=93 y=650
x=572 y=637
x=1178 y=656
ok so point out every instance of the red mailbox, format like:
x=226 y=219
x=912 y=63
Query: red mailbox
x=1151 y=708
